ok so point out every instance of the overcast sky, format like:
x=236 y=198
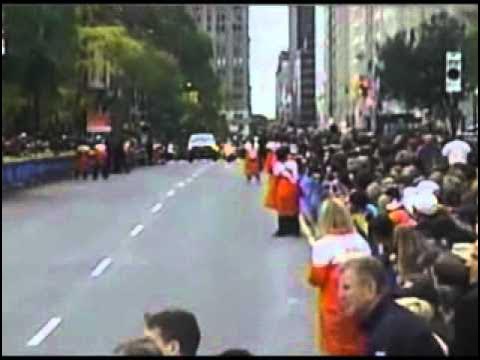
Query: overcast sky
x=269 y=36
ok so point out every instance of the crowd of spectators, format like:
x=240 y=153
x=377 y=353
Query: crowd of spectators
x=392 y=223
x=25 y=145
x=413 y=199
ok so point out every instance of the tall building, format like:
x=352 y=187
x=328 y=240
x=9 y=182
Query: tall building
x=282 y=98
x=321 y=64
x=355 y=33
x=302 y=64
x=338 y=61
x=227 y=26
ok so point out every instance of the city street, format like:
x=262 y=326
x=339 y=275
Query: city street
x=361 y=239
x=82 y=262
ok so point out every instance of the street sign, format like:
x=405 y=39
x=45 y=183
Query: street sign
x=453 y=78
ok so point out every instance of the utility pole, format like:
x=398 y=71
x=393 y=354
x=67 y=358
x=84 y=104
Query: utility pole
x=453 y=85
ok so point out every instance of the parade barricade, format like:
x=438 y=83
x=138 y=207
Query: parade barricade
x=16 y=174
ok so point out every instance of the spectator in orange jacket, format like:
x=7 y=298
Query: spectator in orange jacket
x=338 y=242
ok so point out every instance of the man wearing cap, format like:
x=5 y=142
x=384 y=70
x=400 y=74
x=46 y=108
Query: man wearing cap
x=434 y=222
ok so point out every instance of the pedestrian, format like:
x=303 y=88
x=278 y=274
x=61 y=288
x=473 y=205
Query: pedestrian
x=101 y=158
x=338 y=241
x=149 y=148
x=396 y=208
x=429 y=154
x=389 y=329
x=143 y=346
x=381 y=233
x=81 y=160
x=362 y=211
x=466 y=313
x=434 y=222
x=286 y=200
x=310 y=194
x=409 y=246
x=176 y=332
x=270 y=161
x=456 y=151
x=252 y=163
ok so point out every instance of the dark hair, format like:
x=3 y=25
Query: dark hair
x=177 y=325
x=282 y=153
x=382 y=226
x=394 y=193
x=236 y=352
x=138 y=347
x=359 y=200
x=369 y=270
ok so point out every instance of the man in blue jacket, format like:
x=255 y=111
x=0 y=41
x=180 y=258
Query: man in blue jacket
x=389 y=329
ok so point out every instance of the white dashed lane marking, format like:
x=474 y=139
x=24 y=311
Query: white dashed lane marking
x=137 y=230
x=181 y=184
x=157 y=208
x=44 y=332
x=101 y=267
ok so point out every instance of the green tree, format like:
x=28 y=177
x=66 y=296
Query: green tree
x=414 y=69
x=443 y=33
x=171 y=29
x=41 y=53
x=471 y=57
x=398 y=74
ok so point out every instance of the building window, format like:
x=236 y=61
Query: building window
x=238 y=83
x=237 y=51
x=238 y=72
x=221 y=62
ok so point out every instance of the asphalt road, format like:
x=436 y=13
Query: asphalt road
x=82 y=262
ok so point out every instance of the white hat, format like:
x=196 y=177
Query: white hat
x=408 y=199
x=428 y=186
x=425 y=203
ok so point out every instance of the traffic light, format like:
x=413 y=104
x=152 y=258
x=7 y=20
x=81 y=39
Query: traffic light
x=453 y=83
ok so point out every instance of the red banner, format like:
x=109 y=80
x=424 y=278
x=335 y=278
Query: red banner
x=99 y=123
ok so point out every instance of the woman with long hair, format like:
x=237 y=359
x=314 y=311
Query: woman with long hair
x=338 y=242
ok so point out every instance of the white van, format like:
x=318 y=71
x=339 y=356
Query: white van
x=202 y=146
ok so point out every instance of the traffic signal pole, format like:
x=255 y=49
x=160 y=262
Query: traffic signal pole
x=453 y=86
